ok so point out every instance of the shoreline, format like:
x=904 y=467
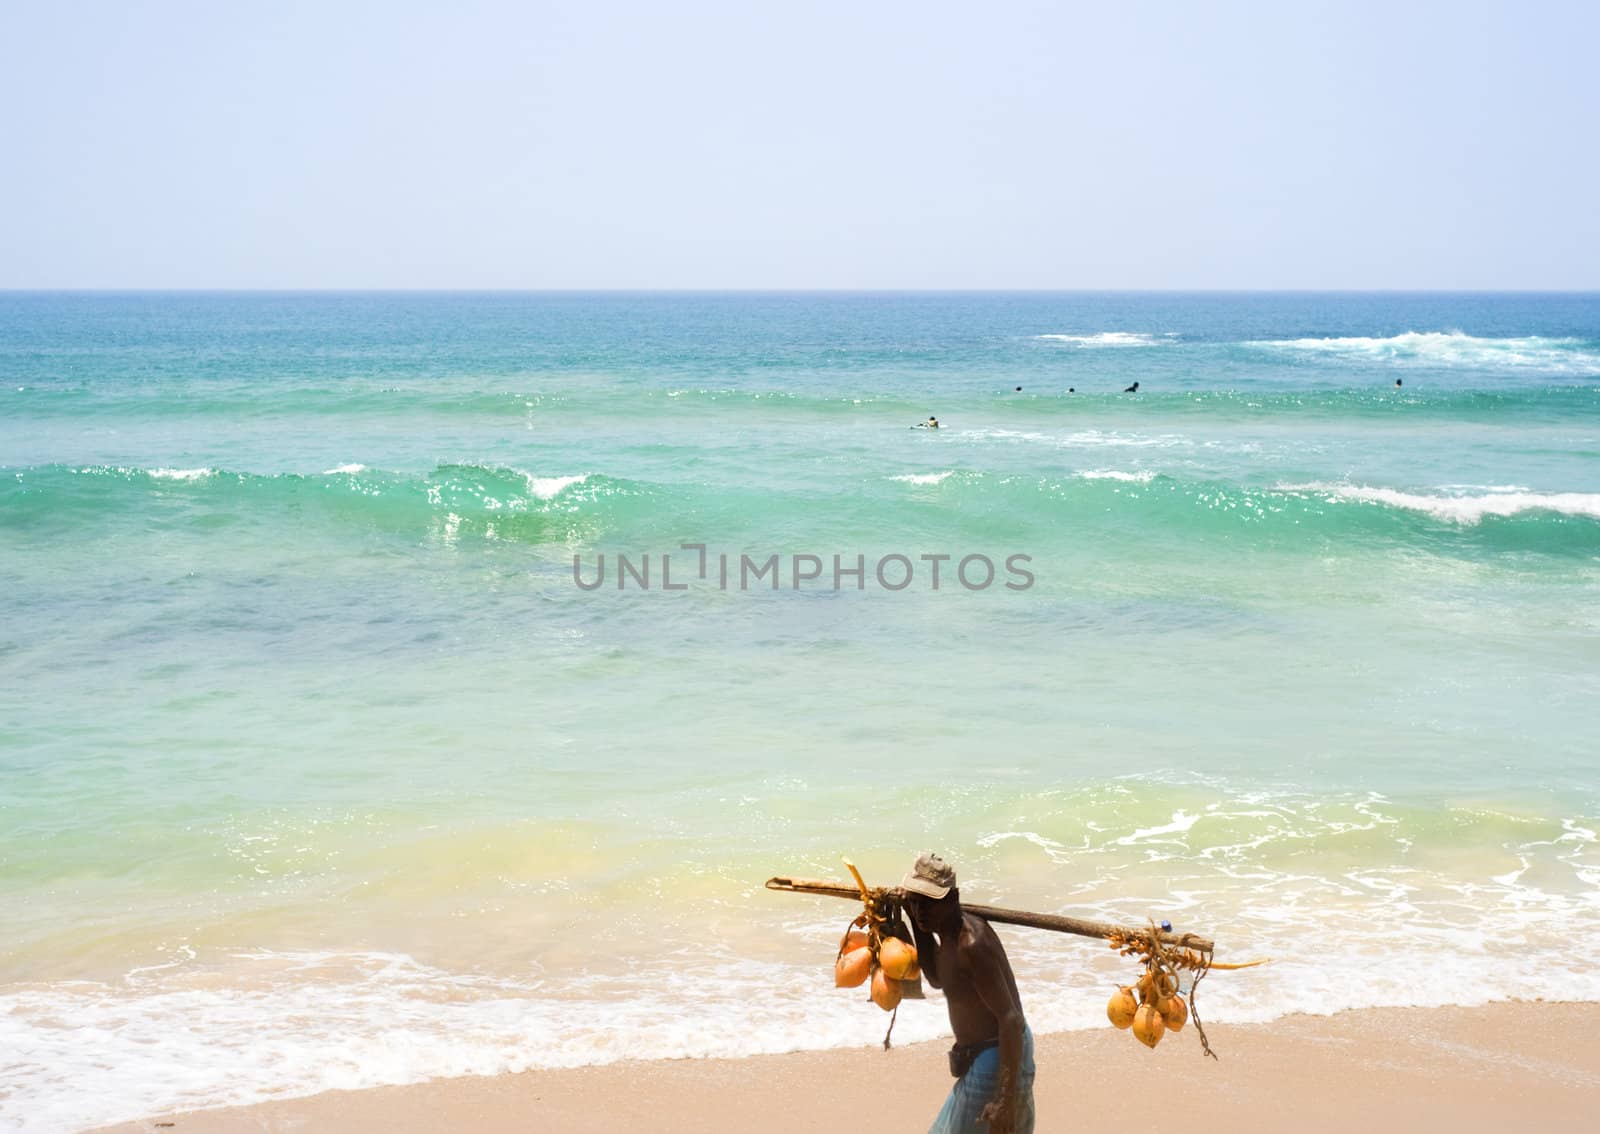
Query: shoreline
x=1482 y=1068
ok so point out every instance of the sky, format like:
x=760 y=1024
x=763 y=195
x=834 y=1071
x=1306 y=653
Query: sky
x=877 y=145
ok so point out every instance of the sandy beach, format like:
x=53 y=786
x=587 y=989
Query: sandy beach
x=1461 y=1069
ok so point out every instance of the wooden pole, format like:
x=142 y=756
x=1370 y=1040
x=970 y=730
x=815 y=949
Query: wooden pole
x=1056 y=922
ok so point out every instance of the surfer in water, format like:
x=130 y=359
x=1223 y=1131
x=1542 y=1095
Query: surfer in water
x=1133 y=389
x=931 y=423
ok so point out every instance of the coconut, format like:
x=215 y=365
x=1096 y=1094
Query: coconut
x=1146 y=985
x=1121 y=1007
x=1174 y=1013
x=854 y=939
x=851 y=969
x=885 y=992
x=898 y=959
x=1148 y=1025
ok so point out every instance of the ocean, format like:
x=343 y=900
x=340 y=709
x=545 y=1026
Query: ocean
x=319 y=769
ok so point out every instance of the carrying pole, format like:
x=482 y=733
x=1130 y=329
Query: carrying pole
x=1056 y=922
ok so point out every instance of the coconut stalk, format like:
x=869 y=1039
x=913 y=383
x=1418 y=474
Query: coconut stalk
x=1056 y=922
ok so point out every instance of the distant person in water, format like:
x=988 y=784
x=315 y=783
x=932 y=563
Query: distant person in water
x=1133 y=389
x=1072 y=389
x=1397 y=383
x=931 y=423
x=959 y=953
x=1019 y=389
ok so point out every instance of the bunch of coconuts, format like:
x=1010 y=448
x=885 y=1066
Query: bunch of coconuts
x=1158 y=1010
x=883 y=959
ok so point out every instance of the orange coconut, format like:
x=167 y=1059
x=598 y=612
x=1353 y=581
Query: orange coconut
x=1148 y=1025
x=1121 y=1007
x=851 y=969
x=898 y=959
x=885 y=992
x=1174 y=1013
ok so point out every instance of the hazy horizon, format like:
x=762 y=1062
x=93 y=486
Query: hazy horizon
x=714 y=147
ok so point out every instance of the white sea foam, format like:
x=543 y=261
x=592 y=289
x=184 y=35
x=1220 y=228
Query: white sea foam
x=1109 y=339
x=1144 y=476
x=1452 y=348
x=549 y=487
x=181 y=474
x=1083 y=438
x=1180 y=824
x=1458 y=509
x=365 y=1020
x=151 y=1049
x=345 y=470
x=1055 y=850
x=924 y=478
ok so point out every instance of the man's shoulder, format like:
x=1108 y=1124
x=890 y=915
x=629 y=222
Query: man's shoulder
x=974 y=932
x=977 y=920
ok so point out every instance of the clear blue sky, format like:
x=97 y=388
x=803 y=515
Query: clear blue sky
x=800 y=145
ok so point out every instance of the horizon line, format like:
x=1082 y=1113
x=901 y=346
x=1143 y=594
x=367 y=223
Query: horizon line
x=793 y=291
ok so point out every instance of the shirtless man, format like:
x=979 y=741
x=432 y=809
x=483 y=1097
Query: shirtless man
x=993 y=1055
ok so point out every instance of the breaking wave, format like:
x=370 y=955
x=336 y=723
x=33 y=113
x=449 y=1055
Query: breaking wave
x=1459 y=509
x=497 y=503
x=1451 y=348
x=1110 y=339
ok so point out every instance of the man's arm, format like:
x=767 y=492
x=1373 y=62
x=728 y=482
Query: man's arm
x=987 y=965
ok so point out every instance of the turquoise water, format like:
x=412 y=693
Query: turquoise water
x=317 y=769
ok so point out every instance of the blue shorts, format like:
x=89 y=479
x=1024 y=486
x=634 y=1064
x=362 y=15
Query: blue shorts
x=975 y=1090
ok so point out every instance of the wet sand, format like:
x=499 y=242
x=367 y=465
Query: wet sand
x=1498 y=1067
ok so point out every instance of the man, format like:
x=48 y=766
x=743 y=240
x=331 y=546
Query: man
x=959 y=953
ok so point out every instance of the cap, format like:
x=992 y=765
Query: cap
x=931 y=876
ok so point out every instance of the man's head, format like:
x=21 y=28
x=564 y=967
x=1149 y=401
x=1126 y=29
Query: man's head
x=932 y=899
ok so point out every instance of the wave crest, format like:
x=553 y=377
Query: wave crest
x=1144 y=476
x=1110 y=339
x=1459 y=509
x=1450 y=348
x=549 y=487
